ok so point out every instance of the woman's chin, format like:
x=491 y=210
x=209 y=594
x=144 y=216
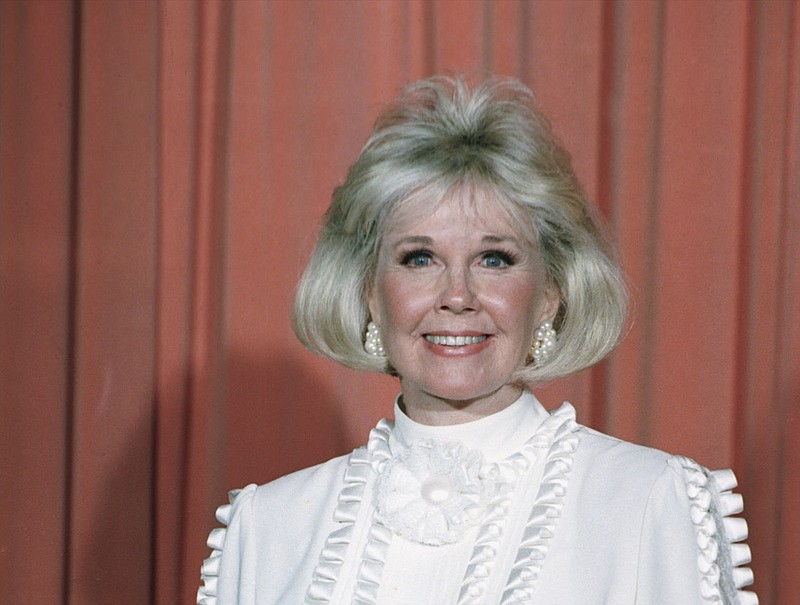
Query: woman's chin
x=462 y=395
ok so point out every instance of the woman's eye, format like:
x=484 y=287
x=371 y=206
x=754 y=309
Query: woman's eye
x=417 y=258
x=496 y=260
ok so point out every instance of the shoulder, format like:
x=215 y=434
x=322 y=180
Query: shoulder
x=299 y=489
x=627 y=467
x=673 y=509
x=620 y=466
x=620 y=481
x=281 y=523
x=627 y=473
x=304 y=484
x=595 y=454
x=605 y=448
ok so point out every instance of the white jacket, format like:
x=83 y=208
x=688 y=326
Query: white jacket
x=519 y=507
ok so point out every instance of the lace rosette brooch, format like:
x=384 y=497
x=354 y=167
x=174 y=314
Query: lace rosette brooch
x=434 y=491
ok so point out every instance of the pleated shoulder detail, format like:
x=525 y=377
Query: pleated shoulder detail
x=209 y=571
x=722 y=555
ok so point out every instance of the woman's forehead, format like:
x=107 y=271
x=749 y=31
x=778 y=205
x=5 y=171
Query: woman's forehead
x=476 y=204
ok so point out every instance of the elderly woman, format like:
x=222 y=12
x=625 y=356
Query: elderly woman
x=462 y=257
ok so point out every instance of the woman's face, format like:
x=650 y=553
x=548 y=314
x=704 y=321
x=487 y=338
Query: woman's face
x=457 y=295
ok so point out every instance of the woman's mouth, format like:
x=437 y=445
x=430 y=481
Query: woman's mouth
x=454 y=341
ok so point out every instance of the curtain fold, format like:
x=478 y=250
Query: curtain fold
x=165 y=167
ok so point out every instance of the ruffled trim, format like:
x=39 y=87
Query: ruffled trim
x=368 y=580
x=721 y=558
x=361 y=466
x=559 y=436
x=486 y=546
x=209 y=571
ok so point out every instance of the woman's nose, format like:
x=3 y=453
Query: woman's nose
x=457 y=293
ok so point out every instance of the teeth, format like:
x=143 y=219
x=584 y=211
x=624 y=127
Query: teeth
x=454 y=341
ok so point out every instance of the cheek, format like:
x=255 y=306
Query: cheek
x=397 y=301
x=516 y=302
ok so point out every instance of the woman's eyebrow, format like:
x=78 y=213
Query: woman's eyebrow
x=414 y=239
x=499 y=239
x=428 y=241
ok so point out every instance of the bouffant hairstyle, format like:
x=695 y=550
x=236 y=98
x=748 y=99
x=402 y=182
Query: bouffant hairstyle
x=439 y=135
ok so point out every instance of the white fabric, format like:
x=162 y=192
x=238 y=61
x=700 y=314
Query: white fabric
x=590 y=520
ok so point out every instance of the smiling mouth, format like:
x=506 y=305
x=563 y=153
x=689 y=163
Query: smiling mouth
x=454 y=341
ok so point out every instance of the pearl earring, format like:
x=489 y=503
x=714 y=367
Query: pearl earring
x=544 y=341
x=373 y=344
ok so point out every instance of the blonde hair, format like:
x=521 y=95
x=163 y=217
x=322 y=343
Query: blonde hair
x=440 y=134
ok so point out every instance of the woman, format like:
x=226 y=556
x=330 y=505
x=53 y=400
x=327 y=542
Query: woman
x=462 y=256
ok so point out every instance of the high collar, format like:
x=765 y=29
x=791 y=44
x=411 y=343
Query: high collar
x=496 y=436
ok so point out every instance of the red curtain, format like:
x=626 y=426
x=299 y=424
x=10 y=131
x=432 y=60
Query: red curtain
x=165 y=166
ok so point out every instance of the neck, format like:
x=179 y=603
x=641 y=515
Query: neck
x=426 y=408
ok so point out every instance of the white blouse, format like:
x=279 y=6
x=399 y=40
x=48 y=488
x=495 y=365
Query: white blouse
x=519 y=507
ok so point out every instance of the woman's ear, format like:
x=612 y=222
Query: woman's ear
x=372 y=305
x=550 y=304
